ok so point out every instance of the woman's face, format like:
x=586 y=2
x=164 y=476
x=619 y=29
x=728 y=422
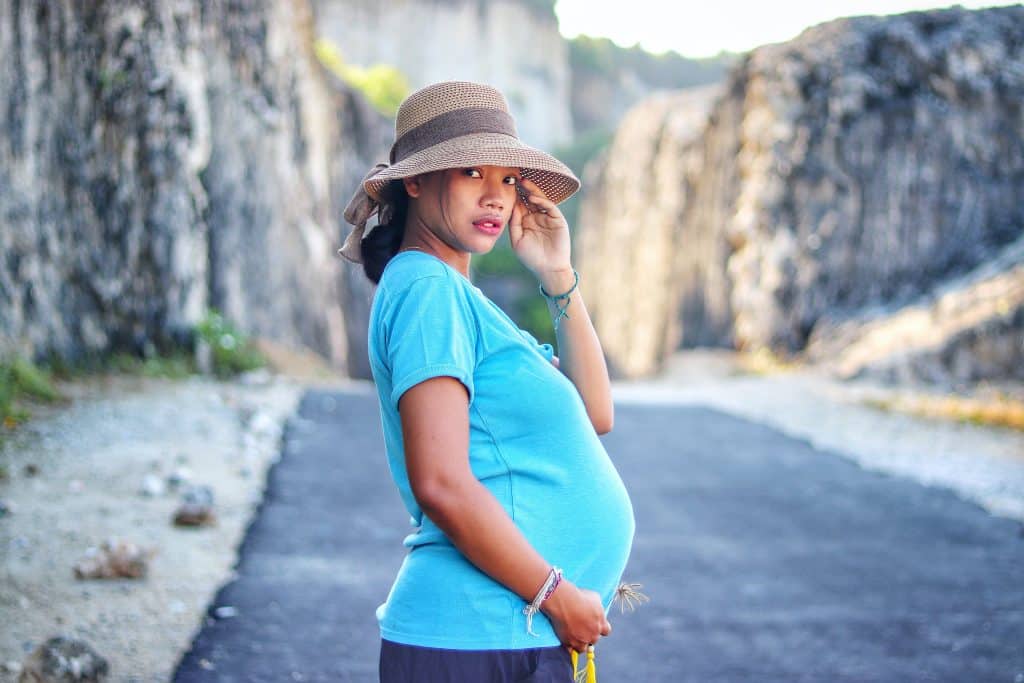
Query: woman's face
x=467 y=208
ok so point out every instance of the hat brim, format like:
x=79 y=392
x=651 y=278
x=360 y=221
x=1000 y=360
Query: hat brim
x=554 y=178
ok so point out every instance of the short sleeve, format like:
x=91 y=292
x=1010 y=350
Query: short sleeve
x=432 y=332
x=545 y=350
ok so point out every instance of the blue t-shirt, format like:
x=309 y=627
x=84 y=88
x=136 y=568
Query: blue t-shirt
x=531 y=444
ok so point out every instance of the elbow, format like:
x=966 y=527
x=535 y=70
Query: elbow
x=604 y=423
x=437 y=496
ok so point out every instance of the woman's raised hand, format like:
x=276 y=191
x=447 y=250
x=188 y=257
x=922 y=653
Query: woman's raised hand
x=577 y=616
x=539 y=232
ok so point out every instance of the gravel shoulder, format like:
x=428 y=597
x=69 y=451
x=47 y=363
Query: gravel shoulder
x=91 y=458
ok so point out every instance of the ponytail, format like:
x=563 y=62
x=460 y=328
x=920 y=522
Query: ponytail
x=382 y=243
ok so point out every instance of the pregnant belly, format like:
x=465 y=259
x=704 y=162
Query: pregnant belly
x=585 y=524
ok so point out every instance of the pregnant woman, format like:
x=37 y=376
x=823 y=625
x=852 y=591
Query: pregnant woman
x=522 y=524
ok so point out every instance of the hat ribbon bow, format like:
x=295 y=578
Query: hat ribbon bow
x=357 y=212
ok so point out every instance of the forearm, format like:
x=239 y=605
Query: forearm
x=580 y=355
x=479 y=527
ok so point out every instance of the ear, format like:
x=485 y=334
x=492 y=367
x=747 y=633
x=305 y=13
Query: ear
x=413 y=185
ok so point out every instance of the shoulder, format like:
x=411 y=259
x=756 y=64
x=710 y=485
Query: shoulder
x=419 y=284
x=407 y=268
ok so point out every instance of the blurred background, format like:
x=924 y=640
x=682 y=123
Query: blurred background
x=805 y=197
x=845 y=194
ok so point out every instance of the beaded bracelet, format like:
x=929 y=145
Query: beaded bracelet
x=554 y=578
x=559 y=297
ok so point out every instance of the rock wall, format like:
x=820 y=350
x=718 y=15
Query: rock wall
x=968 y=329
x=157 y=159
x=512 y=44
x=632 y=252
x=880 y=157
x=860 y=165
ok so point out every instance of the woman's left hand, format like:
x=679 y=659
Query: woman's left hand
x=539 y=232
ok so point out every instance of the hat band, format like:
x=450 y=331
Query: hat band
x=452 y=124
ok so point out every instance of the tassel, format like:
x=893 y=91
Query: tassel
x=588 y=674
x=629 y=596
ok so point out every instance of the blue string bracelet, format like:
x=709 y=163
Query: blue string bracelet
x=558 y=298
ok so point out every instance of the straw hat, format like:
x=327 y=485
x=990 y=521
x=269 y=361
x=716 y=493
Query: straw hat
x=453 y=124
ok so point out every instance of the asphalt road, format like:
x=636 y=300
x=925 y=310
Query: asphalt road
x=764 y=558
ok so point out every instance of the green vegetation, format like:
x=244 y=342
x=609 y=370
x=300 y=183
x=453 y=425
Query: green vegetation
x=666 y=70
x=231 y=352
x=21 y=381
x=177 y=364
x=173 y=364
x=530 y=311
x=382 y=84
x=576 y=155
x=536 y=317
x=546 y=8
x=500 y=260
x=585 y=147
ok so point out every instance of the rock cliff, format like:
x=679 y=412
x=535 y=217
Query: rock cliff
x=512 y=44
x=157 y=159
x=861 y=165
x=633 y=253
x=968 y=329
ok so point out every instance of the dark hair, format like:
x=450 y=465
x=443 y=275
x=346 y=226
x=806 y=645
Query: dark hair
x=381 y=243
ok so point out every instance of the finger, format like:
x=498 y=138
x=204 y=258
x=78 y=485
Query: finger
x=527 y=208
x=536 y=195
x=515 y=225
x=522 y=192
x=540 y=202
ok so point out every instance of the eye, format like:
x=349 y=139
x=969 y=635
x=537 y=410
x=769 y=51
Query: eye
x=471 y=171
x=511 y=180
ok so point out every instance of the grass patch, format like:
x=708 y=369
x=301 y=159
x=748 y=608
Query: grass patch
x=382 y=84
x=230 y=352
x=177 y=364
x=21 y=383
x=997 y=411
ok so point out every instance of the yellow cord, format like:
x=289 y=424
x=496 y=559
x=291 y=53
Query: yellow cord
x=588 y=674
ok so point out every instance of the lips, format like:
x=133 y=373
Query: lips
x=492 y=225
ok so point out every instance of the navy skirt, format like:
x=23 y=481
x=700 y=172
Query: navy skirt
x=414 y=664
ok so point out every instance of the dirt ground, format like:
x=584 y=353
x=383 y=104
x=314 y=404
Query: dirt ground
x=75 y=478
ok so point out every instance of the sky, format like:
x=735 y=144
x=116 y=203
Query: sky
x=704 y=29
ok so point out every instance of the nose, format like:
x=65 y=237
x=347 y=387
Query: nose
x=494 y=196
